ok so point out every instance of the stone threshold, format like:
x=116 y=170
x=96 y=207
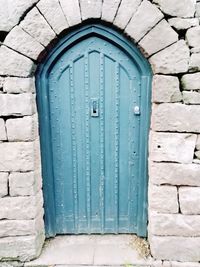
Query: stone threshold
x=94 y=250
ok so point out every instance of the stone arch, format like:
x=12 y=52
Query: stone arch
x=146 y=24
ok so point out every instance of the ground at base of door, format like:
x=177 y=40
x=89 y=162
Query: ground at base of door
x=94 y=250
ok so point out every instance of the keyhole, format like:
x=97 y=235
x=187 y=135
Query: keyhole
x=94 y=109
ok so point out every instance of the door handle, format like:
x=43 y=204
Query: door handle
x=94 y=107
x=136 y=110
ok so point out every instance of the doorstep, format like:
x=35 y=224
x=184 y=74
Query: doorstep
x=93 y=250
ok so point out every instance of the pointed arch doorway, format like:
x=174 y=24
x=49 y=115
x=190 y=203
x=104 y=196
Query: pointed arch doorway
x=93 y=96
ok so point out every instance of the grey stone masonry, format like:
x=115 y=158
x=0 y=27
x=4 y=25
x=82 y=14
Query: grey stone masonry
x=193 y=36
x=36 y=25
x=191 y=81
x=175 y=117
x=163 y=199
x=175 y=174
x=22 y=42
x=125 y=12
x=71 y=11
x=53 y=13
x=3 y=184
x=145 y=21
x=167 y=33
x=173 y=59
x=172 y=147
x=177 y=8
x=183 y=24
x=174 y=224
x=90 y=9
x=16 y=104
x=15 y=64
x=19 y=85
x=195 y=62
x=109 y=9
x=166 y=89
x=12 y=11
x=161 y=36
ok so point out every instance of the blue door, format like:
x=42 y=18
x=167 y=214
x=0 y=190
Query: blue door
x=93 y=100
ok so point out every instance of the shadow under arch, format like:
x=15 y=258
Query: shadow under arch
x=42 y=93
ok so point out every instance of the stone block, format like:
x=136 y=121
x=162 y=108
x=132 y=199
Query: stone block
x=90 y=9
x=11 y=12
x=177 y=8
x=23 y=184
x=172 y=147
x=163 y=199
x=21 y=208
x=197 y=154
x=16 y=104
x=175 y=248
x=193 y=36
x=49 y=8
x=109 y=10
x=165 y=89
x=2 y=80
x=174 y=224
x=125 y=12
x=184 y=264
x=161 y=36
x=22 y=42
x=183 y=24
x=17 y=156
x=173 y=59
x=174 y=174
x=22 y=248
x=19 y=85
x=71 y=11
x=3 y=135
x=3 y=184
x=146 y=17
x=195 y=49
x=35 y=24
x=15 y=64
x=197 y=9
x=195 y=62
x=192 y=98
x=198 y=142
x=189 y=199
x=191 y=81
x=196 y=161
x=21 y=227
x=175 y=117
x=12 y=264
x=21 y=129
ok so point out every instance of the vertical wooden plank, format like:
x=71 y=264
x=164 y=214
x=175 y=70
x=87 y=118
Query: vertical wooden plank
x=109 y=67
x=126 y=138
x=133 y=154
x=102 y=149
x=87 y=142
x=74 y=148
x=94 y=87
x=63 y=169
x=116 y=152
x=79 y=77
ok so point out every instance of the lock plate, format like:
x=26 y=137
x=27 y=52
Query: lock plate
x=136 y=110
x=94 y=107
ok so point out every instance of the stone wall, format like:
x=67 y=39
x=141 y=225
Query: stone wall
x=168 y=34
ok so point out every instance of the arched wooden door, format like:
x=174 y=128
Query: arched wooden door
x=93 y=95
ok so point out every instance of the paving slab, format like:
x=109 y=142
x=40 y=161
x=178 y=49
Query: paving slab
x=90 y=250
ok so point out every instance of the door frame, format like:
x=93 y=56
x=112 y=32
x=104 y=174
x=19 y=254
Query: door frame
x=42 y=100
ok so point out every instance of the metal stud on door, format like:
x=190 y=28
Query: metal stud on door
x=96 y=119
